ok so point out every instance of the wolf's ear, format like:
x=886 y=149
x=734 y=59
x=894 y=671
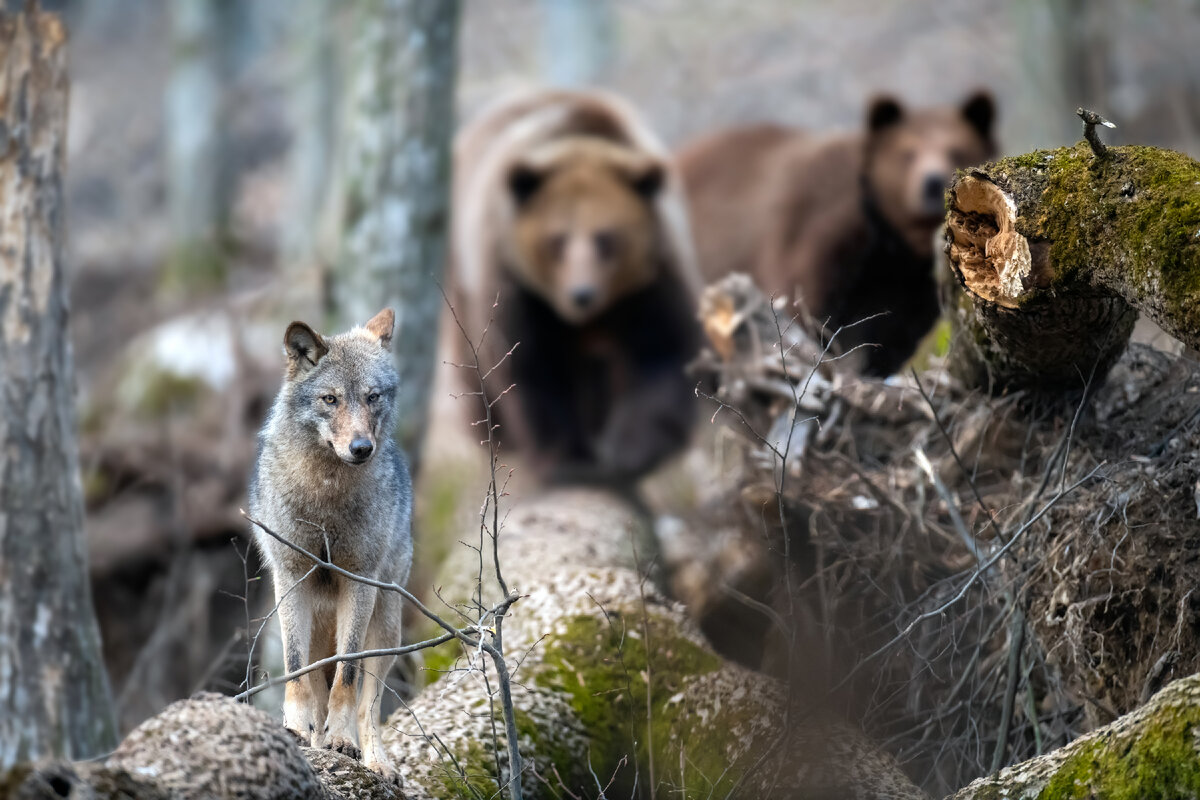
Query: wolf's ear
x=380 y=326
x=304 y=348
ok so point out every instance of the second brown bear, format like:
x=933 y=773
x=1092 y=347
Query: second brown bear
x=842 y=223
x=571 y=249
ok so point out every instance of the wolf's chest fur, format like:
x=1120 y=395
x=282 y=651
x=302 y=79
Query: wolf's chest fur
x=328 y=509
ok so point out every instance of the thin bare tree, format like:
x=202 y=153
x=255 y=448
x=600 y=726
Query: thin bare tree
x=395 y=173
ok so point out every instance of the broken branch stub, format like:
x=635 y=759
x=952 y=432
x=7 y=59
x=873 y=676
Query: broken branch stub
x=1058 y=250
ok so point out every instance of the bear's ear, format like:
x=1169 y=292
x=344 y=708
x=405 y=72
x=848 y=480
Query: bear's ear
x=883 y=112
x=380 y=327
x=304 y=348
x=648 y=181
x=523 y=182
x=980 y=111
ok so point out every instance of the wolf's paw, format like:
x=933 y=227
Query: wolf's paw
x=302 y=739
x=385 y=770
x=345 y=747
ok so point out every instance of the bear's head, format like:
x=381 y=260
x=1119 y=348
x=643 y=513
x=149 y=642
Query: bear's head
x=586 y=232
x=912 y=155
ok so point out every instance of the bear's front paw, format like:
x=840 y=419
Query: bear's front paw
x=345 y=747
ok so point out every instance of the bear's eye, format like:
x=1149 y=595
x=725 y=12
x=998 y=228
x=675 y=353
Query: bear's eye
x=372 y=397
x=606 y=244
x=329 y=399
x=555 y=246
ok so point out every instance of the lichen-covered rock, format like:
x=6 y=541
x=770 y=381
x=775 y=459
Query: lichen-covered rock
x=350 y=778
x=212 y=747
x=1151 y=752
x=81 y=781
x=208 y=747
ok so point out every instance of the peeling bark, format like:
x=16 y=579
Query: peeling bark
x=54 y=695
x=395 y=178
x=1057 y=252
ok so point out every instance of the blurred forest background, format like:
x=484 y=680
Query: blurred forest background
x=202 y=167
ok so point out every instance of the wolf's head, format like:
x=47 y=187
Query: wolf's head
x=343 y=387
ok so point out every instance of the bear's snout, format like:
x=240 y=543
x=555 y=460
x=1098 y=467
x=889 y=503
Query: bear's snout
x=933 y=190
x=583 y=297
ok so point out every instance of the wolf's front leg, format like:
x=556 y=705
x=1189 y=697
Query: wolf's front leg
x=383 y=632
x=355 y=603
x=301 y=713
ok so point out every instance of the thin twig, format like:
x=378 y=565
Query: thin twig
x=331 y=660
x=975 y=576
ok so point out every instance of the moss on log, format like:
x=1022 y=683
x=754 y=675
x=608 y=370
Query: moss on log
x=617 y=683
x=1057 y=250
x=1151 y=752
x=612 y=682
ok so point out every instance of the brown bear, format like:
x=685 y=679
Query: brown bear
x=843 y=224
x=571 y=249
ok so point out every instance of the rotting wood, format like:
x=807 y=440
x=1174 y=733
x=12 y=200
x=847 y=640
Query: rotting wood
x=1058 y=250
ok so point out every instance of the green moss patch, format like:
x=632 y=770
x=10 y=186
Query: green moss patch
x=625 y=676
x=164 y=392
x=473 y=776
x=1162 y=762
x=1133 y=217
x=195 y=266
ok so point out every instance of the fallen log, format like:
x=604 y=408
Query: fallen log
x=611 y=683
x=1150 y=752
x=616 y=684
x=1058 y=250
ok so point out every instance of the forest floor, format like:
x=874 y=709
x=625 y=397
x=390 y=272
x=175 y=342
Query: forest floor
x=165 y=461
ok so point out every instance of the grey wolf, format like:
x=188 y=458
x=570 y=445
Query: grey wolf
x=330 y=479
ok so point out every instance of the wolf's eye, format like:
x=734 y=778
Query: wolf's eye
x=372 y=397
x=329 y=399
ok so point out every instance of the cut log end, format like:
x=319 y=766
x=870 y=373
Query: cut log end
x=993 y=260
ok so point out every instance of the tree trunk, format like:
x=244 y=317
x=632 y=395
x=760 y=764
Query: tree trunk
x=577 y=41
x=314 y=96
x=1150 y=752
x=396 y=175
x=1057 y=250
x=198 y=173
x=613 y=679
x=54 y=696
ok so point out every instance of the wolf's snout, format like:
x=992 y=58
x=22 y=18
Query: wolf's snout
x=361 y=448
